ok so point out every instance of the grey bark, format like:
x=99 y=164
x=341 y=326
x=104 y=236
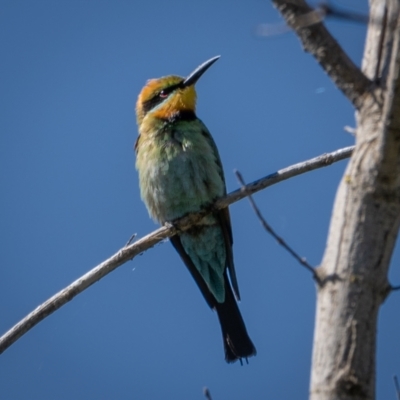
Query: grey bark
x=364 y=227
x=366 y=216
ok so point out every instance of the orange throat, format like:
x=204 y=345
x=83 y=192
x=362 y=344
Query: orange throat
x=183 y=100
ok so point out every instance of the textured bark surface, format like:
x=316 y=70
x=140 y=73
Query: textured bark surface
x=366 y=216
x=363 y=228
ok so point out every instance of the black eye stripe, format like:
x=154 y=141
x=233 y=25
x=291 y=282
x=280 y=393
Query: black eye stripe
x=170 y=89
x=151 y=103
x=159 y=97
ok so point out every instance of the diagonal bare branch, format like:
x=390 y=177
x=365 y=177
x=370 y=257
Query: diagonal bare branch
x=317 y=40
x=279 y=239
x=129 y=252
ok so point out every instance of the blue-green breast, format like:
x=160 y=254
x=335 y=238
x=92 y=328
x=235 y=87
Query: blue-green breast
x=179 y=168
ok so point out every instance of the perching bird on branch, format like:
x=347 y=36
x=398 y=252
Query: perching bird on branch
x=180 y=171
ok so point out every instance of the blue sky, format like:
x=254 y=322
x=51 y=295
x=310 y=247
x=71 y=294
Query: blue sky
x=69 y=78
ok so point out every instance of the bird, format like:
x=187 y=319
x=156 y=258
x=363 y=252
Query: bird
x=180 y=172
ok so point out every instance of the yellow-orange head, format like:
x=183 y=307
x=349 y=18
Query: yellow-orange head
x=166 y=97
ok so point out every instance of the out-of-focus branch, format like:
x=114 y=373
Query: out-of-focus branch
x=322 y=12
x=129 y=252
x=207 y=393
x=316 y=39
x=330 y=11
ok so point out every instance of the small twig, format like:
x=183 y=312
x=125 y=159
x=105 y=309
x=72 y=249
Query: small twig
x=397 y=386
x=351 y=130
x=129 y=252
x=130 y=239
x=207 y=393
x=394 y=288
x=278 y=238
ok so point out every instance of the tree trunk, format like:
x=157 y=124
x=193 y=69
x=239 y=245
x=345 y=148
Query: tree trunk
x=364 y=226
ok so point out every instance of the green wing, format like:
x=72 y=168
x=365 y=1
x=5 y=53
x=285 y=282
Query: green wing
x=224 y=217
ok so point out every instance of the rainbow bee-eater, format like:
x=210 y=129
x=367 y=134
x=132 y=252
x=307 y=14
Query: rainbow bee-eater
x=180 y=171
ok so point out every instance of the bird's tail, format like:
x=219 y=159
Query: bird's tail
x=237 y=342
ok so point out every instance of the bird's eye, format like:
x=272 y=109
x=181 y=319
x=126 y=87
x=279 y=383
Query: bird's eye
x=163 y=94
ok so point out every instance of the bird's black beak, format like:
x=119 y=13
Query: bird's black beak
x=198 y=72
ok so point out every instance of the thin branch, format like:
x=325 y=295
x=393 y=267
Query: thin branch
x=330 y=11
x=129 y=252
x=131 y=239
x=278 y=238
x=317 y=40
